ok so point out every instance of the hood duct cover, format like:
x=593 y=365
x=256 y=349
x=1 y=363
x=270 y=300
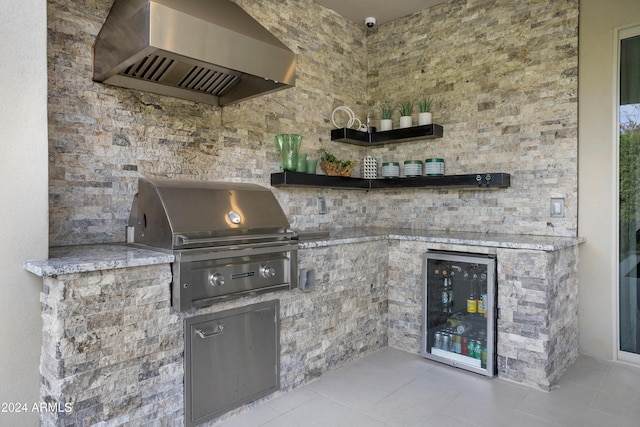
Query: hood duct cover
x=207 y=51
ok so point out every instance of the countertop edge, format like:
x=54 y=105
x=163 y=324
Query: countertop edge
x=493 y=243
x=88 y=258
x=504 y=241
x=336 y=241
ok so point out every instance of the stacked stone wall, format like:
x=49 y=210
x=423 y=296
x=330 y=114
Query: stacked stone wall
x=112 y=349
x=538 y=325
x=343 y=318
x=103 y=138
x=503 y=76
x=503 y=79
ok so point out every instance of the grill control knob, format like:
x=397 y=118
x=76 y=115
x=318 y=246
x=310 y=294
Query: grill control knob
x=268 y=271
x=216 y=279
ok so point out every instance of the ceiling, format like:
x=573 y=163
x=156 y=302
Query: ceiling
x=382 y=10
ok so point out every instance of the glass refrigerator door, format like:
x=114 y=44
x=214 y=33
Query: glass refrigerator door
x=459 y=311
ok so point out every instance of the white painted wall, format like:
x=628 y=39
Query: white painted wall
x=23 y=199
x=596 y=218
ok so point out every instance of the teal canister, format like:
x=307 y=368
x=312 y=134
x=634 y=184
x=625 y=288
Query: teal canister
x=434 y=167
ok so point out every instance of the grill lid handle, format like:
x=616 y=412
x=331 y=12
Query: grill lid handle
x=182 y=240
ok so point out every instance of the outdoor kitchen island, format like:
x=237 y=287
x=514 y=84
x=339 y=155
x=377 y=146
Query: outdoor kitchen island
x=113 y=347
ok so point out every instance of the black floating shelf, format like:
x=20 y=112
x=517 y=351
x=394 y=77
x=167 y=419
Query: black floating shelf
x=366 y=139
x=298 y=179
x=478 y=180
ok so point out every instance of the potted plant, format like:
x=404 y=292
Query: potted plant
x=385 y=121
x=424 y=118
x=405 y=115
x=334 y=166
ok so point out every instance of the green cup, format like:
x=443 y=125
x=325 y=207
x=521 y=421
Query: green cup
x=302 y=163
x=312 y=164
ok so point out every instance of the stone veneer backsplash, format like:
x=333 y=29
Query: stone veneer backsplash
x=503 y=75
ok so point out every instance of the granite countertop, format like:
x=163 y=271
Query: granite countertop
x=85 y=258
x=496 y=240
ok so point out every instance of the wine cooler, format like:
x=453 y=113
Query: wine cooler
x=460 y=310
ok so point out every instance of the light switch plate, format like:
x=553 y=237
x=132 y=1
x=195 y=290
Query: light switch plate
x=557 y=208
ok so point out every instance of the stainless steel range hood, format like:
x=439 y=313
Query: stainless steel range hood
x=207 y=51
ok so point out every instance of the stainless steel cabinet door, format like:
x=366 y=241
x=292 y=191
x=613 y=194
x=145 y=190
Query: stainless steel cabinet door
x=231 y=358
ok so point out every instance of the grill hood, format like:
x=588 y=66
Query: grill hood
x=207 y=51
x=185 y=214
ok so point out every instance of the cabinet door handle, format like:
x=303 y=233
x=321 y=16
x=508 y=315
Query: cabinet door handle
x=217 y=331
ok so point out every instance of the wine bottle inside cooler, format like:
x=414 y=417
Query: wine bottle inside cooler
x=447 y=297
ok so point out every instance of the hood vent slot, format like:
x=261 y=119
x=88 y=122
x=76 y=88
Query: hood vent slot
x=208 y=51
x=152 y=68
x=157 y=69
x=208 y=81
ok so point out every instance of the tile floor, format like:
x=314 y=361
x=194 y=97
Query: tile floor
x=394 y=388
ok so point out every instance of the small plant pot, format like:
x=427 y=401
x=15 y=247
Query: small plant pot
x=335 y=169
x=424 y=119
x=406 y=122
x=386 y=124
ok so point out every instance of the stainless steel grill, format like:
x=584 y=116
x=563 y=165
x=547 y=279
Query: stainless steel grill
x=229 y=239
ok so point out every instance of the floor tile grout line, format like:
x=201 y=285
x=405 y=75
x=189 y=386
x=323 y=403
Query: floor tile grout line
x=609 y=414
x=325 y=396
x=423 y=372
x=539 y=417
x=346 y=405
x=556 y=390
x=600 y=392
x=292 y=391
